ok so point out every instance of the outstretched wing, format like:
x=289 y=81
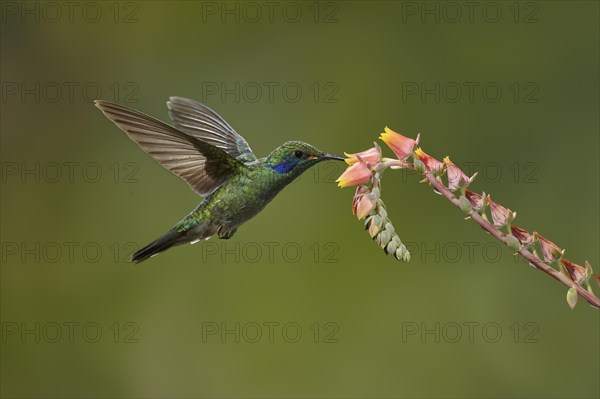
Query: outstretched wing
x=198 y=120
x=202 y=165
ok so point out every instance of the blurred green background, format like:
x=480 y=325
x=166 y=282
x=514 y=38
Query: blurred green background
x=77 y=195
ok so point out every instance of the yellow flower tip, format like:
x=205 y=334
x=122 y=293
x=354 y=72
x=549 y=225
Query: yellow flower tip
x=419 y=152
x=349 y=159
x=447 y=160
x=342 y=183
x=385 y=137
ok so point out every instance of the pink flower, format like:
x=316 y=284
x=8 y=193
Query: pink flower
x=360 y=190
x=475 y=199
x=359 y=173
x=501 y=216
x=521 y=234
x=431 y=164
x=372 y=156
x=456 y=177
x=550 y=250
x=365 y=205
x=576 y=272
x=401 y=146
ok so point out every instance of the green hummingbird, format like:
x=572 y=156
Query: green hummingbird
x=217 y=163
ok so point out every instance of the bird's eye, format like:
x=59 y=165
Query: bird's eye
x=298 y=154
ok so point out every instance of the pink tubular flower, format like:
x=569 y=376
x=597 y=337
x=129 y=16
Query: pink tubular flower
x=576 y=272
x=550 y=250
x=521 y=234
x=431 y=164
x=500 y=215
x=475 y=199
x=372 y=156
x=456 y=177
x=360 y=190
x=359 y=173
x=365 y=205
x=401 y=146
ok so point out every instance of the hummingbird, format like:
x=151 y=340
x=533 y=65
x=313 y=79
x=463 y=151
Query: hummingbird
x=216 y=162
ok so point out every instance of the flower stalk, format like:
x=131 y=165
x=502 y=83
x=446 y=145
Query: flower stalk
x=367 y=203
x=494 y=218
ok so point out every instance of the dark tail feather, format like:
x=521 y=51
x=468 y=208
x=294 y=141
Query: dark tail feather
x=159 y=245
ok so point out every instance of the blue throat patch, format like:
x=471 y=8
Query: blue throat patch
x=285 y=166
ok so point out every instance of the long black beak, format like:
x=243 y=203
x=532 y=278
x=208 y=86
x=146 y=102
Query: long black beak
x=331 y=156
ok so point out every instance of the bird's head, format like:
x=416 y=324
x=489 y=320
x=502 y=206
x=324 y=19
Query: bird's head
x=294 y=157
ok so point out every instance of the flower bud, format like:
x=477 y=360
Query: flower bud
x=382 y=211
x=390 y=249
x=419 y=166
x=390 y=228
x=588 y=269
x=406 y=257
x=377 y=219
x=465 y=205
x=360 y=190
x=572 y=297
x=513 y=243
x=373 y=228
x=384 y=238
x=365 y=205
x=376 y=192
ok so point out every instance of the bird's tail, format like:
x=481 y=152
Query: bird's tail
x=171 y=238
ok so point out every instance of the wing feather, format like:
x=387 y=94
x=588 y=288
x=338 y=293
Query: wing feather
x=198 y=120
x=201 y=164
